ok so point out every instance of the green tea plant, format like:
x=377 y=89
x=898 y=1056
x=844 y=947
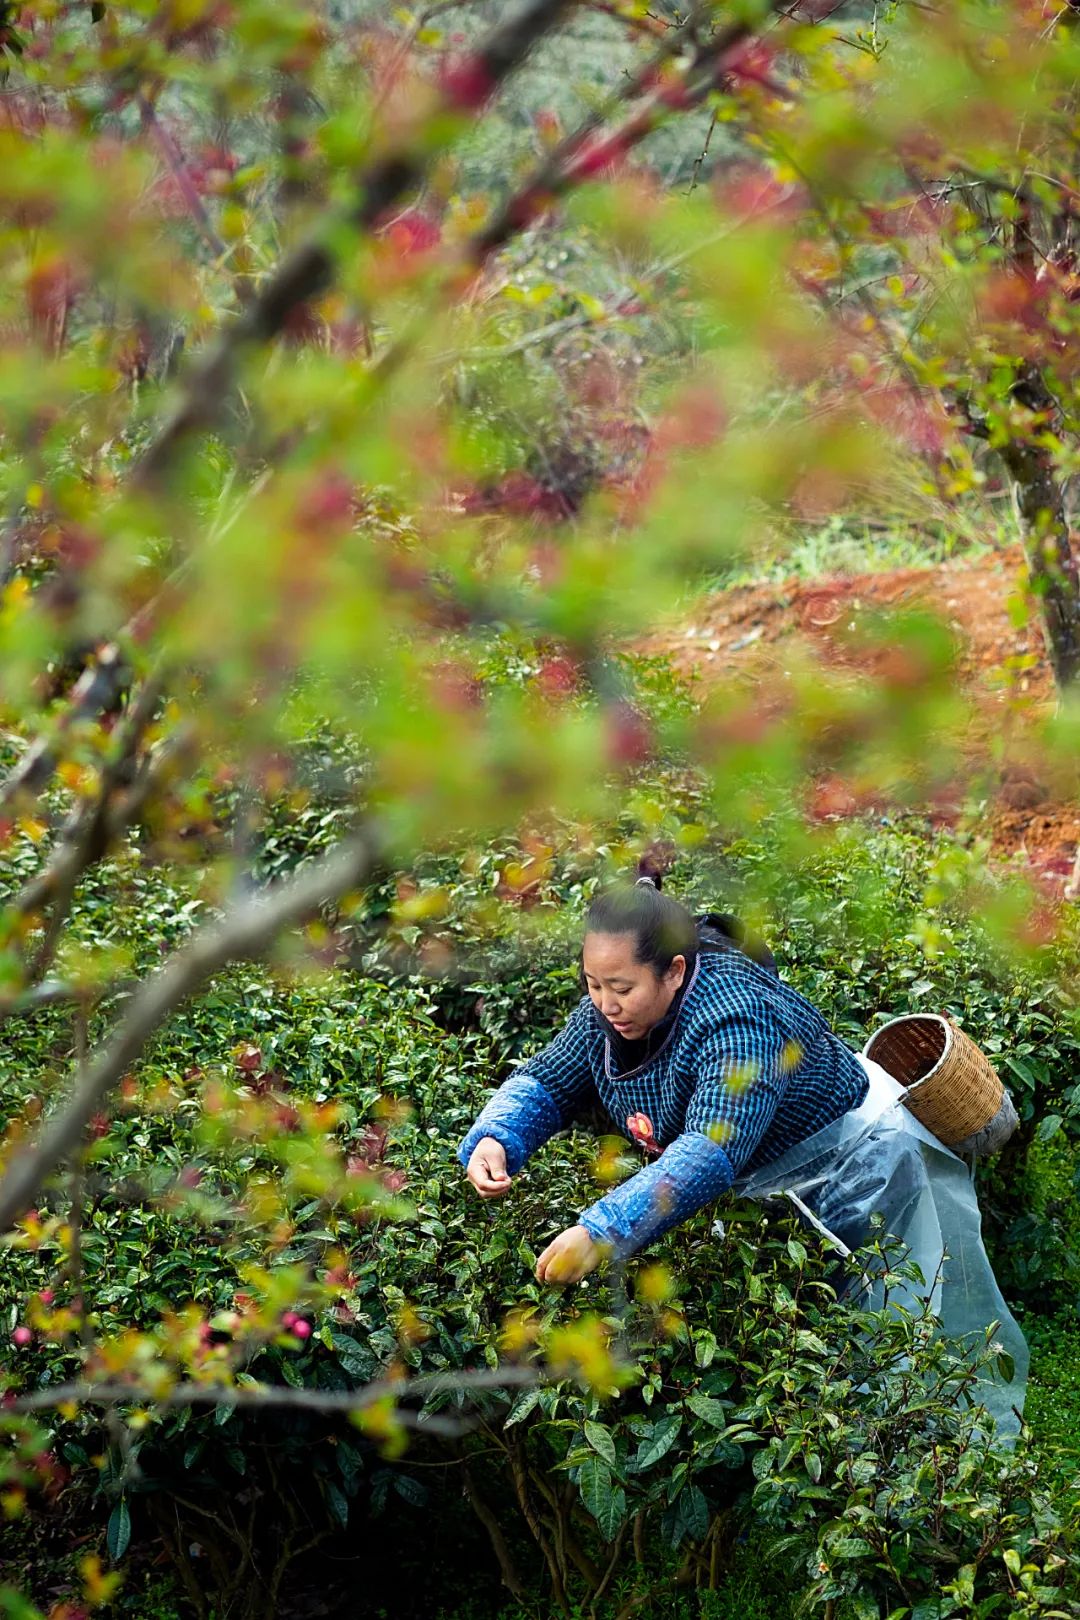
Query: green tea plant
x=722 y=1382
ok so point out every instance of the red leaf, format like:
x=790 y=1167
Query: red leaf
x=466 y=82
x=411 y=233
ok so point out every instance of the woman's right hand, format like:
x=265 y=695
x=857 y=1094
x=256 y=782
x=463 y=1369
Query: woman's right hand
x=486 y=1168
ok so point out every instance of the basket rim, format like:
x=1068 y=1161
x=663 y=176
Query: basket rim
x=907 y=1018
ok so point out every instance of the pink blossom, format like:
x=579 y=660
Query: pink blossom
x=412 y=232
x=629 y=738
x=466 y=82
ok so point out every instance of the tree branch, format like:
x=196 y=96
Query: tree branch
x=266 y=1397
x=56 y=993
x=563 y=167
x=1040 y=506
x=499 y=1545
x=91 y=830
x=97 y=689
x=173 y=159
x=247 y=931
x=309 y=271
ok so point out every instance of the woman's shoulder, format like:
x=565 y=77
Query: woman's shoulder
x=730 y=983
x=716 y=970
x=722 y=931
x=725 y=981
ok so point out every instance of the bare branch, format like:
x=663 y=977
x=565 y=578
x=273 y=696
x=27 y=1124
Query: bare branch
x=90 y=832
x=97 y=688
x=55 y=993
x=540 y=334
x=266 y=1397
x=174 y=162
x=309 y=271
x=249 y=930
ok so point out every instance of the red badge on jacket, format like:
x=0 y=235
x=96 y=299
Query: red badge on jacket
x=640 y=1127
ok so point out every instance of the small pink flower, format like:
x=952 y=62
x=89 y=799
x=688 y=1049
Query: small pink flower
x=466 y=82
x=22 y=1336
x=46 y=1296
x=413 y=232
x=301 y=1328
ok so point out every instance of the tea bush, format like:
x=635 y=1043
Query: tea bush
x=755 y=1395
x=754 y=1390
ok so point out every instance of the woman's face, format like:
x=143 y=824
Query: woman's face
x=631 y=995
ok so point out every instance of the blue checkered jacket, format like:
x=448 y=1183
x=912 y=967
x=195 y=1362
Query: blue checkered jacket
x=748 y=1070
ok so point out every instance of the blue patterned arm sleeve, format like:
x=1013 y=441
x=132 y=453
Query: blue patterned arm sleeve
x=743 y=1066
x=541 y=1097
x=744 y=1070
x=521 y=1115
x=691 y=1172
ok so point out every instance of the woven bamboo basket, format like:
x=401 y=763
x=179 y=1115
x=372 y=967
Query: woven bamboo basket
x=952 y=1088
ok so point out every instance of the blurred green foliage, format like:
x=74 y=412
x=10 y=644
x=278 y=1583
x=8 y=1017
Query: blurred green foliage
x=388 y=579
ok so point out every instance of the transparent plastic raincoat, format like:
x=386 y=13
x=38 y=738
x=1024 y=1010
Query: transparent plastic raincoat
x=877 y=1158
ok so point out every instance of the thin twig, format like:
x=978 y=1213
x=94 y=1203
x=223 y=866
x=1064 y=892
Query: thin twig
x=174 y=162
x=310 y=269
x=250 y=1397
x=609 y=1572
x=58 y=993
x=90 y=832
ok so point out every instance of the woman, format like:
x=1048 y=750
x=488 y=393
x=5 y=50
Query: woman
x=723 y=1075
x=698 y=1052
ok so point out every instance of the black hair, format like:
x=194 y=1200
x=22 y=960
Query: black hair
x=661 y=928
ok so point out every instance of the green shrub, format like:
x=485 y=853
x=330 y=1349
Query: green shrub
x=765 y=1399
x=1053 y=1406
x=755 y=1394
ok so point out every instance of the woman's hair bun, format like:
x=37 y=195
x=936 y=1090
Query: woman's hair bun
x=661 y=928
x=655 y=863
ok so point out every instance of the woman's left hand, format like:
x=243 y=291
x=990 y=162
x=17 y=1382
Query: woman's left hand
x=568 y=1258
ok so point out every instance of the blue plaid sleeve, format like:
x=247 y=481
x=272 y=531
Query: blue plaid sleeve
x=744 y=1069
x=521 y=1115
x=691 y=1172
x=541 y=1097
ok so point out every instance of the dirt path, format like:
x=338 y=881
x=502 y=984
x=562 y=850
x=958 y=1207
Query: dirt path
x=1001 y=661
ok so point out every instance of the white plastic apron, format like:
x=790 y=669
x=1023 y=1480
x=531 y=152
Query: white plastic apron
x=878 y=1158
